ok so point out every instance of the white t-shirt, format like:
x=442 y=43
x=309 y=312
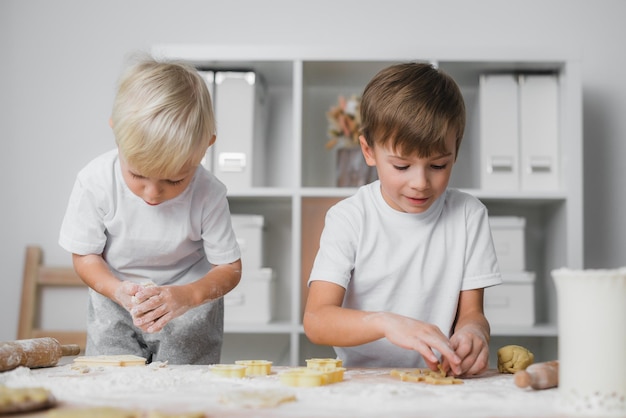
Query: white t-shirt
x=410 y=264
x=174 y=242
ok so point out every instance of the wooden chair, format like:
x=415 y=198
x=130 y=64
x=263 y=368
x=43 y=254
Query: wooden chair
x=36 y=277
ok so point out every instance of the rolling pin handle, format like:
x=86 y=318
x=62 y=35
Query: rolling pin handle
x=70 y=350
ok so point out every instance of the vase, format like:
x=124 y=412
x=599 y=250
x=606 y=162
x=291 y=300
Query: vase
x=351 y=168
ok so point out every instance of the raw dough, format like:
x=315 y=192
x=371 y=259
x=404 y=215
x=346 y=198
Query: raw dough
x=513 y=358
x=13 y=400
x=121 y=360
x=148 y=283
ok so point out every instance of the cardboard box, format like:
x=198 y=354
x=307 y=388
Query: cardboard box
x=252 y=301
x=512 y=302
x=509 y=242
x=249 y=233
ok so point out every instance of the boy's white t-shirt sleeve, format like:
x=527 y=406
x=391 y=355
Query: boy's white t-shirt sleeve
x=337 y=251
x=219 y=241
x=481 y=265
x=82 y=230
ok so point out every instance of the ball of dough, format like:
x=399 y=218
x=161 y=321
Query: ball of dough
x=513 y=358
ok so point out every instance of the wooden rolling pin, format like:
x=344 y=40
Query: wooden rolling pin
x=539 y=375
x=33 y=353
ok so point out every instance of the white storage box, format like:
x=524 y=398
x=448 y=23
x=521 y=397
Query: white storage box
x=209 y=79
x=509 y=242
x=249 y=233
x=539 y=132
x=240 y=115
x=513 y=301
x=252 y=301
x=499 y=128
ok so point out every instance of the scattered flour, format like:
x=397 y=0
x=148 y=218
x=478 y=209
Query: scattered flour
x=363 y=393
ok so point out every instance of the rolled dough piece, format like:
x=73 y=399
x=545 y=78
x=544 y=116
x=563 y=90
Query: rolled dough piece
x=120 y=360
x=513 y=358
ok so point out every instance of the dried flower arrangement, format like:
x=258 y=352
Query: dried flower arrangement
x=344 y=122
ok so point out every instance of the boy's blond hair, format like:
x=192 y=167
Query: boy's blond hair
x=162 y=117
x=412 y=106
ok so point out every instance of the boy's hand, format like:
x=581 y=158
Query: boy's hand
x=471 y=345
x=424 y=338
x=157 y=305
x=124 y=294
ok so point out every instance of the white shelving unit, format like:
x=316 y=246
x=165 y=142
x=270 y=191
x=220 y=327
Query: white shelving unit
x=302 y=83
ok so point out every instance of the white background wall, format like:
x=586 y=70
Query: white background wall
x=59 y=61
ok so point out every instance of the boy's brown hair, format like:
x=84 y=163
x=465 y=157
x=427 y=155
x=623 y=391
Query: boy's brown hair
x=412 y=106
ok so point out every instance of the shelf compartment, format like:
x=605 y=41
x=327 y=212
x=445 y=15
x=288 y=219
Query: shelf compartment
x=277 y=243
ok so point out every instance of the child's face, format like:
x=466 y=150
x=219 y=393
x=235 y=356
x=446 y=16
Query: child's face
x=409 y=183
x=155 y=191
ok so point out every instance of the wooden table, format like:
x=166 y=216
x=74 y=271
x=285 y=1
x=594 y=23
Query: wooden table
x=363 y=393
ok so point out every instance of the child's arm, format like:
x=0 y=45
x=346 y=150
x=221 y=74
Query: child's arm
x=157 y=305
x=326 y=322
x=95 y=272
x=470 y=338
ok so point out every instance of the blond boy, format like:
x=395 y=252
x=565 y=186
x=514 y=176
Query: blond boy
x=148 y=212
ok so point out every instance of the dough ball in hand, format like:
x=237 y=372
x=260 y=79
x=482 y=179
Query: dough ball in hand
x=513 y=358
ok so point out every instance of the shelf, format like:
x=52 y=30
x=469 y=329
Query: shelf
x=282 y=327
x=540 y=330
x=262 y=192
x=297 y=188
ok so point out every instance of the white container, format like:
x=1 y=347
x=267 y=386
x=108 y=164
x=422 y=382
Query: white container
x=513 y=301
x=592 y=341
x=240 y=114
x=209 y=78
x=252 y=301
x=509 y=242
x=499 y=132
x=539 y=132
x=249 y=233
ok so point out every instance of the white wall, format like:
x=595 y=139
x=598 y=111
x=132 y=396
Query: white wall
x=59 y=61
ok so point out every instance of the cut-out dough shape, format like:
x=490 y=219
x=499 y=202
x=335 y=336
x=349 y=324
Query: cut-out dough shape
x=309 y=377
x=426 y=376
x=229 y=370
x=256 y=367
x=323 y=363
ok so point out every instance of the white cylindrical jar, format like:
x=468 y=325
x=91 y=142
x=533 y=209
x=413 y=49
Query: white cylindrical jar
x=592 y=341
